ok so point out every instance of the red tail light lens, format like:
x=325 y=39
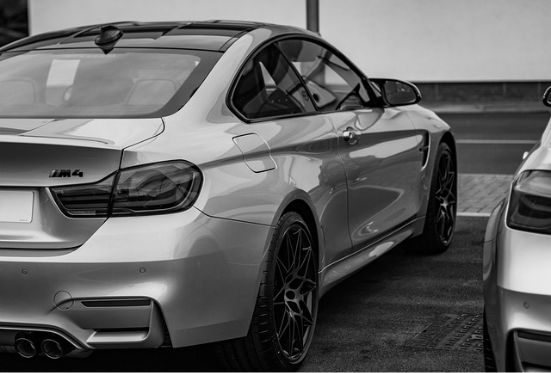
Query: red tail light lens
x=150 y=189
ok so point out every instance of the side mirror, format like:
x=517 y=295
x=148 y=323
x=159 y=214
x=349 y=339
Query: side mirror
x=546 y=97
x=398 y=92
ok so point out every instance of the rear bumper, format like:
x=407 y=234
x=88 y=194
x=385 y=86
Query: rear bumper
x=140 y=282
x=521 y=332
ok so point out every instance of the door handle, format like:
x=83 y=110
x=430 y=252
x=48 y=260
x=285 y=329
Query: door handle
x=351 y=136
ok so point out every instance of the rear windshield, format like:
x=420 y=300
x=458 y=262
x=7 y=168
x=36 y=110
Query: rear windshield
x=86 y=83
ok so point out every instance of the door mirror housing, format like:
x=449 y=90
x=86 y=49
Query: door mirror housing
x=398 y=92
x=547 y=97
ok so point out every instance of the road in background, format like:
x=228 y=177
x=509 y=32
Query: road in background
x=493 y=143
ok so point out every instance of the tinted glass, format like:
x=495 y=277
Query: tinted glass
x=88 y=83
x=334 y=85
x=268 y=87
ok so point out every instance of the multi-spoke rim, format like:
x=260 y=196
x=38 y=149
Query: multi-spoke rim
x=445 y=195
x=295 y=292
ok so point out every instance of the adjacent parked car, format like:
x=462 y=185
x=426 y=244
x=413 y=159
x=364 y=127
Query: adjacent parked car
x=174 y=184
x=517 y=295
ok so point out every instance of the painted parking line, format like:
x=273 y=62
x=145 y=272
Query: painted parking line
x=474 y=214
x=496 y=142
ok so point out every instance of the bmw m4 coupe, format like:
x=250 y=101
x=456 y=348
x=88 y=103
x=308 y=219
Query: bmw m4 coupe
x=517 y=291
x=172 y=184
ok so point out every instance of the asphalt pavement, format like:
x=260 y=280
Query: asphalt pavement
x=371 y=321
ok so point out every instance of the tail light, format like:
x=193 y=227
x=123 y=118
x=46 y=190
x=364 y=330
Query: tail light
x=530 y=203
x=150 y=189
x=85 y=200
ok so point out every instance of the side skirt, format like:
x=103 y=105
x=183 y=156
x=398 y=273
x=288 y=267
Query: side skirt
x=340 y=270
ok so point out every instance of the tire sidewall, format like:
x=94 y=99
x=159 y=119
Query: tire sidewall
x=443 y=149
x=287 y=221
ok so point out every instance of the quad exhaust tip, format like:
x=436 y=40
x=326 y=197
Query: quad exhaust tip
x=52 y=347
x=25 y=347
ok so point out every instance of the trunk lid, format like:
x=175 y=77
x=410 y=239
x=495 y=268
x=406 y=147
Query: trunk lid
x=38 y=154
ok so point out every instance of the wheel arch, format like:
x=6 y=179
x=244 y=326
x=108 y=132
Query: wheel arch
x=300 y=202
x=427 y=238
x=261 y=348
x=449 y=139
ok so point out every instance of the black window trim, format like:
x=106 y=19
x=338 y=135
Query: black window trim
x=297 y=73
x=233 y=86
x=298 y=36
x=364 y=79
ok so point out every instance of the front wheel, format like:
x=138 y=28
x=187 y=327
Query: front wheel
x=442 y=206
x=285 y=314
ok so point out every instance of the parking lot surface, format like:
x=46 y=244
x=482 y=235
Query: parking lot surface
x=478 y=194
x=370 y=321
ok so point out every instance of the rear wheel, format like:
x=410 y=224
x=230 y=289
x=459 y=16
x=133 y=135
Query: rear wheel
x=442 y=207
x=285 y=314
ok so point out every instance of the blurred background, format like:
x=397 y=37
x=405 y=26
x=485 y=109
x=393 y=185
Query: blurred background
x=14 y=20
x=454 y=50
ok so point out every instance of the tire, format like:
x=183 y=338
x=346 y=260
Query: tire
x=286 y=306
x=442 y=207
x=489 y=358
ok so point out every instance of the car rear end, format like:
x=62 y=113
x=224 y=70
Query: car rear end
x=94 y=255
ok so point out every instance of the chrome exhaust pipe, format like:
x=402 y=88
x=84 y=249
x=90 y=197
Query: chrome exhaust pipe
x=25 y=347
x=53 y=349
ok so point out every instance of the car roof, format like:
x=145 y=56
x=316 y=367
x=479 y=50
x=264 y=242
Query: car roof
x=213 y=35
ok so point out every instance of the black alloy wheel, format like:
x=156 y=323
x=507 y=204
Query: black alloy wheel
x=445 y=196
x=442 y=206
x=295 y=292
x=286 y=309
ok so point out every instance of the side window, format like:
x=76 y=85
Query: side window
x=268 y=86
x=333 y=84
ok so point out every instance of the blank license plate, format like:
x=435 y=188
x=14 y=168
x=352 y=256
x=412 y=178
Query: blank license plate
x=16 y=207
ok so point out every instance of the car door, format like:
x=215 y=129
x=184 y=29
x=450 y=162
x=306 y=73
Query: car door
x=379 y=146
x=288 y=139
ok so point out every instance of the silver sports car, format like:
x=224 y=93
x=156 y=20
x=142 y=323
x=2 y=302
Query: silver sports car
x=517 y=279
x=175 y=184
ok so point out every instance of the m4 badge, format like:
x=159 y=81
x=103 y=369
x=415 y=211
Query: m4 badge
x=66 y=173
